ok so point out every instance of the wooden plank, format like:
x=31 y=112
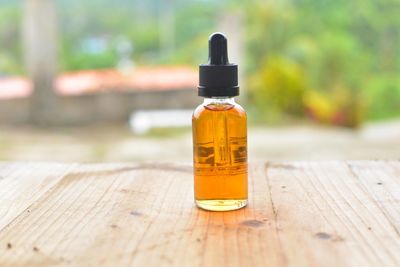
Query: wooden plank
x=300 y=214
x=21 y=184
x=335 y=216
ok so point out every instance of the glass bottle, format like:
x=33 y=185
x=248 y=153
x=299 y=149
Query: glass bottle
x=219 y=128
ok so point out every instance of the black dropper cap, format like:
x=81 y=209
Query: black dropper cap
x=218 y=78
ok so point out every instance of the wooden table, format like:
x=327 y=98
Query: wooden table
x=300 y=214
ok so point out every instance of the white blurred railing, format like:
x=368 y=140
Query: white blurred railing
x=142 y=121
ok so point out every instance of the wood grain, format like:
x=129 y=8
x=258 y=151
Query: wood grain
x=300 y=214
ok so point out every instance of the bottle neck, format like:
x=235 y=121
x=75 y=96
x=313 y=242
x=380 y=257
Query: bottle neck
x=219 y=100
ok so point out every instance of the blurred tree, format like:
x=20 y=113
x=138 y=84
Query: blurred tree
x=382 y=96
x=339 y=45
x=283 y=84
x=39 y=29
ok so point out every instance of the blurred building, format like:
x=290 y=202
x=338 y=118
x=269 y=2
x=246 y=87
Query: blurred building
x=104 y=95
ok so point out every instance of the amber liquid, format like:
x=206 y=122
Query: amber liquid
x=220 y=156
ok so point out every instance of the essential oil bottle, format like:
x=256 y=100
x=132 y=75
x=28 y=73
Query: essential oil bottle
x=219 y=128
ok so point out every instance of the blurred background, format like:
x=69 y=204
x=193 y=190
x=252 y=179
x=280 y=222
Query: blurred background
x=116 y=80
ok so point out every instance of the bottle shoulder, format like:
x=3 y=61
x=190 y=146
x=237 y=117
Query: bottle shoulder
x=232 y=109
x=240 y=109
x=198 y=110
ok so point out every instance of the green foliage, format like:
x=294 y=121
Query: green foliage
x=338 y=46
x=146 y=43
x=382 y=96
x=279 y=88
x=90 y=61
x=10 y=50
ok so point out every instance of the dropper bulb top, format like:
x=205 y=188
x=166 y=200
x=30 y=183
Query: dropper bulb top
x=218 y=49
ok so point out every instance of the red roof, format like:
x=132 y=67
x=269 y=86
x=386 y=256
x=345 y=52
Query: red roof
x=88 y=81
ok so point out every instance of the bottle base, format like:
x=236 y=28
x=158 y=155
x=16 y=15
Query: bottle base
x=221 y=204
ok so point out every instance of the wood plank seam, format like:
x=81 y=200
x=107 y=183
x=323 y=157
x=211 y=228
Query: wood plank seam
x=22 y=213
x=367 y=192
x=275 y=213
